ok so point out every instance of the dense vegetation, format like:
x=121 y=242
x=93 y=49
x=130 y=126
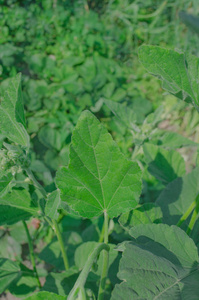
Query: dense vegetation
x=98 y=161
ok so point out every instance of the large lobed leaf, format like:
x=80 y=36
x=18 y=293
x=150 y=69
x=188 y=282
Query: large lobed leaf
x=12 y=120
x=178 y=71
x=162 y=264
x=99 y=178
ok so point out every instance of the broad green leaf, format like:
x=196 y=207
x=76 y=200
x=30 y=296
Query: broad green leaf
x=99 y=178
x=20 y=199
x=162 y=264
x=125 y=114
x=12 y=120
x=9 y=272
x=11 y=215
x=163 y=164
x=53 y=204
x=145 y=214
x=178 y=71
x=46 y=296
x=177 y=197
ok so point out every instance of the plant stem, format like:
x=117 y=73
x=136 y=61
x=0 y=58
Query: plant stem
x=52 y=223
x=32 y=256
x=79 y=284
x=61 y=243
x=187 y=213
x=194 y=216
x=105 y=261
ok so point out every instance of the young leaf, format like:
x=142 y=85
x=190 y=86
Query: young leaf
x=173 y=140
x=178 y=71
x=145 y=214
x=52 y=204
x=12 y=120
x=5 y=184
x=9 y=272
x=177 y=197
x=163 y=164
x=45 y=296
x=162 y=265
x=99 y=178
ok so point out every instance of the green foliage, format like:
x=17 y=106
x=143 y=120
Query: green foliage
x=84 y=195
x=165 y=258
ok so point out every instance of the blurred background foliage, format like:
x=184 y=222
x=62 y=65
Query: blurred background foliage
x=75 y=54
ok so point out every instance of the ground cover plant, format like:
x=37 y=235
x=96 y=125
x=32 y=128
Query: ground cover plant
x=99 y=173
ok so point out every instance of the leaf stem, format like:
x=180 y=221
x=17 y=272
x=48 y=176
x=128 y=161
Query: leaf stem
x=79 y=285
x=32 y=255
x=194 y=216
x=105 y=261
x=52 y=223
x=187 y=213
x=61 y=243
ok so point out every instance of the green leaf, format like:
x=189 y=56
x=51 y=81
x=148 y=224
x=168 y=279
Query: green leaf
x=178 y=71
x=53 y=204
x=177 y=197
x=12 y=120
x=20 y=199
x=45 y=296
x=173 y=140
x=5 y=184
x=125 y=114
x=163 y=164
x=145 y=214
x=11 y=215
x=9 y=272
x=61 y=283
x=162 y=264
x=99 y=178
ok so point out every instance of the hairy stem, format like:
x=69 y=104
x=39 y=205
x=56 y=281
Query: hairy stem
x=61 y=243
x=52 y=223
x=32 y=255
x=79 y=285
x=105 y=261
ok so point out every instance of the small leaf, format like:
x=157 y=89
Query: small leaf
x=173 y=140
x=178 y=71
x=163 y=164
x=99 y=178
x=12 y=120
x=9 y=272
x=145 y=214
x=162 y=264
x=20 y=199
x=10 y=215
x=46 y=296
x=53 y=204
x=5 y=184
x=190 y=20
x=125 y=114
